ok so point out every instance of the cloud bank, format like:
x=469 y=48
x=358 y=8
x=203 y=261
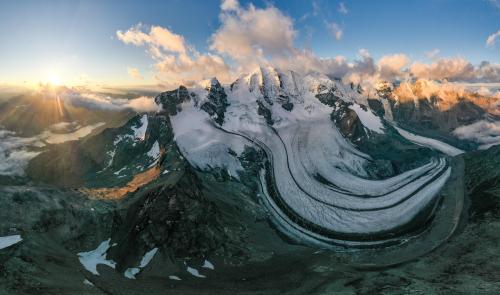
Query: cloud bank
x=92 y=100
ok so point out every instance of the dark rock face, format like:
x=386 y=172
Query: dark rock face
x=346 y=120
x=287 y=106
x=483 y=183
x=177 y=218
x=328 y=98
x=265 y=112
x=348 y=123
x=377 y=106
x=170 y=100
x=427 y=115
x=217 y=102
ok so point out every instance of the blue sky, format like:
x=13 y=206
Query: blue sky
x=78 y=38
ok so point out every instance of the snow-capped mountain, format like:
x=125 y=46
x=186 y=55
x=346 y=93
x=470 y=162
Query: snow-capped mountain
x=322 y=142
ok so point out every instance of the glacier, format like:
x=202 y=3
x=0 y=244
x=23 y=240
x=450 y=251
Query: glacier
x=315 y=184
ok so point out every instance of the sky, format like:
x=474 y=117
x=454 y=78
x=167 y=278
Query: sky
x=170 y=42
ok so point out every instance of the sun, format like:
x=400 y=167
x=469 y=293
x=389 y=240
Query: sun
x=54 y=79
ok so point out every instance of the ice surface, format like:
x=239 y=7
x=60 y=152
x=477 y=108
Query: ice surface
x=8 y=241
x=91 y=259
x=430 y=142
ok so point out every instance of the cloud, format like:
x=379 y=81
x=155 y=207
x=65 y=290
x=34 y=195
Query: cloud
x=456 y=69
x=230 y=5
x=490 y=42
x=485 y=133
x=433 y=53
x=335 y=30
x=134 y=73
x=157 y=39
x=176 y=61
x=392 y=66
x=82 y=97
x=252 y=35
x=452 y=69
x=342 y=8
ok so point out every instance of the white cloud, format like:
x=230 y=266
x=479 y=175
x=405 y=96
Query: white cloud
x=134 y=73
x=176 y=61
x=490 y=42
x=342 y=8
x=252 y=35
x=335 y=30
x=485 y=133
x=157 y=39
x=81 y=97
x=228 y=5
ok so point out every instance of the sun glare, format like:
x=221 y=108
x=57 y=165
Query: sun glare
x=54 y=79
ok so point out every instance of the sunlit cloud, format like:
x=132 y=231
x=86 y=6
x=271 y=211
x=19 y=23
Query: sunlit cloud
x=176 y=61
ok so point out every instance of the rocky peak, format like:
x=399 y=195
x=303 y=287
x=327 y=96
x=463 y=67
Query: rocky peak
x=217 y=101
x=171 y=100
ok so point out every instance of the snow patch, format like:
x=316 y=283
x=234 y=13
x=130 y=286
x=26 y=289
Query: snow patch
x=194 y=272
x=368 y=119
x=208 y=264
x=146 y=259
x=91 y=259
x=9 y=241
x=131 y=272
x=175 y=278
